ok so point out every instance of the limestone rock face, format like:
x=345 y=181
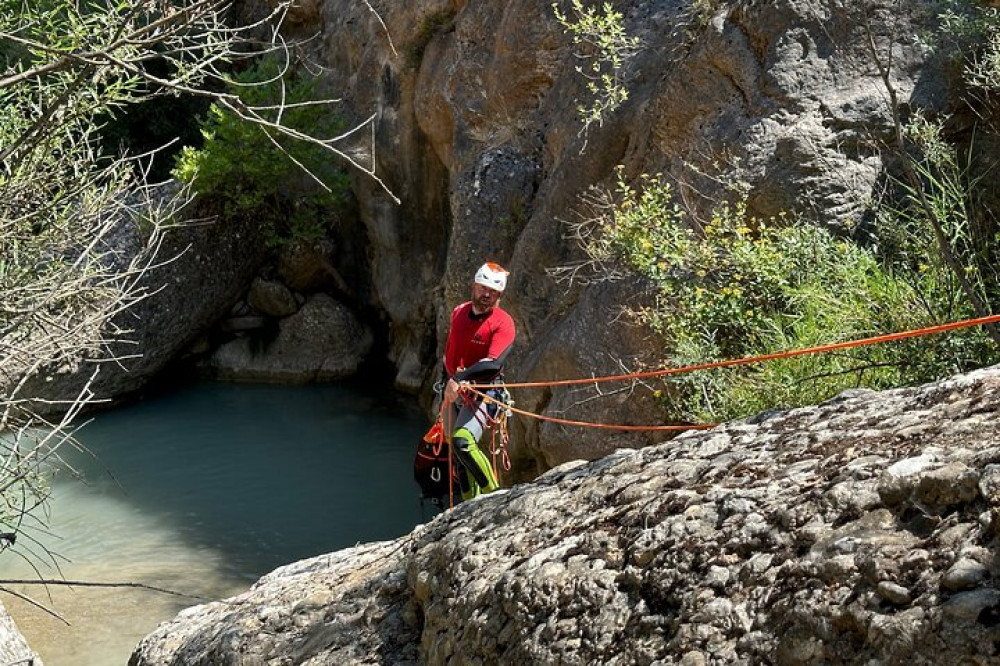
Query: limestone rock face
x=476 y=131
x=861 y=530
x=271 y=298
x=13 y=647
x=322 y=341
x=203 y=270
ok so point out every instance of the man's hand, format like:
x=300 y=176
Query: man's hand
x=453 y=389
x=450 y=391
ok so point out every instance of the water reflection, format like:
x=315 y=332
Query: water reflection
x=205 y=489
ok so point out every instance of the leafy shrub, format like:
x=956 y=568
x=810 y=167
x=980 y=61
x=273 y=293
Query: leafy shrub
x=734 y=286
x=605 y=47
x=936 y=224
x=289 y=185
x=969 y=32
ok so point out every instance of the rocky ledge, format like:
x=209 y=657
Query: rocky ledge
x=14 y=648
x=861 y=530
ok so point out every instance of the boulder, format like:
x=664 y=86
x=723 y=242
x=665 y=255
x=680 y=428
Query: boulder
x=731 y=546
x=307 y=266
x=323 y=341
x=272 y=298
x=14 y=648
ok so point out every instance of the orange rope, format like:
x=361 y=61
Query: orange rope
x=930 y=330
x=446 y=417
x=608 y=426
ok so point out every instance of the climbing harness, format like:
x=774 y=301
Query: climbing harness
x=435 y=469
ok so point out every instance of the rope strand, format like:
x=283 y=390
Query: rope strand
x=475 y=389
x=930 y=330
x=607 y=426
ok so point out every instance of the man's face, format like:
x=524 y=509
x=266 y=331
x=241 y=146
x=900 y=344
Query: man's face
x=484 y=298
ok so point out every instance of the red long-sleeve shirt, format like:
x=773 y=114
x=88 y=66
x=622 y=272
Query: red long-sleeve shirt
x=473 y=337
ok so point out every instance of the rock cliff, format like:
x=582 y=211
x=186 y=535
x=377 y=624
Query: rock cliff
x=476 y=130
x=14 y=648
x=861 y=530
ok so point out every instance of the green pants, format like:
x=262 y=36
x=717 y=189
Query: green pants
x=478 y=471
x=468 y=425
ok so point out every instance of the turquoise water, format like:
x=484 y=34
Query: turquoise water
x=205 y=488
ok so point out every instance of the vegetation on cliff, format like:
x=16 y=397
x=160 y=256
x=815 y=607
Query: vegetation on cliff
x=605 y=48
x=728 y=284
x=288 y=186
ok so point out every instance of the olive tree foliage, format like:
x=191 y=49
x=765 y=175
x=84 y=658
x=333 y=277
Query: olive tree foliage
x=605 y=48
x=80 y=228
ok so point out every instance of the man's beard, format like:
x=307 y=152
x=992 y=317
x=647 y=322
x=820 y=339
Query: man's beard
x=483 y=305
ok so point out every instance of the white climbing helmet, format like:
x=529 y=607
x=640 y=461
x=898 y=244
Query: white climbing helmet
x=492 y=275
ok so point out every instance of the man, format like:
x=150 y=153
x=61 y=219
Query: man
x=479 y=340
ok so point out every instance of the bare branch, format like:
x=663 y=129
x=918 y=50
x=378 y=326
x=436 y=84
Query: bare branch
x=89 y=583
x=392 y=47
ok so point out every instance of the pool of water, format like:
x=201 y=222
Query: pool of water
x=201 y=490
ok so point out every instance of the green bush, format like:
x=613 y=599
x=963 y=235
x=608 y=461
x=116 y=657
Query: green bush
x=734 y=286
x=289 y=185
x=935 y=223
x=968 y=31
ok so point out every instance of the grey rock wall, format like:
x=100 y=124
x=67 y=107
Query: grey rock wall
x=14 y=648
x=201 y=269
x=476 y=131
x=860 y=531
